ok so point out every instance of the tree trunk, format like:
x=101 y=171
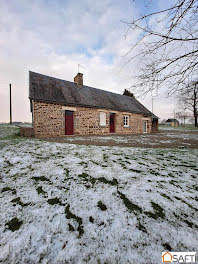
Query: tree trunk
x=195 y=105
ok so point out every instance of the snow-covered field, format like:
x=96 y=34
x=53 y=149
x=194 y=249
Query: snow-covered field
x=143 y=138
x=67 y=203
x=187 y=127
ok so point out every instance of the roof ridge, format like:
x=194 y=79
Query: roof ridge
x=66 y=91
x=49 y=76
x=75 y=83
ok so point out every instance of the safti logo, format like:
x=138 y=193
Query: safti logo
x=179 y=257
x=166 y=257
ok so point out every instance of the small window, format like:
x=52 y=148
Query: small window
x=126 y=121
x=68 y=113
x=103 y=119
x=144 y=126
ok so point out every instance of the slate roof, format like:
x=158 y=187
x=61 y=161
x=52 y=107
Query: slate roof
x=44 y=88
x=172 y=120
x=154 y=116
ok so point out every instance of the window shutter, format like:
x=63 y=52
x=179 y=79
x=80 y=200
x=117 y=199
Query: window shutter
x=103 y=118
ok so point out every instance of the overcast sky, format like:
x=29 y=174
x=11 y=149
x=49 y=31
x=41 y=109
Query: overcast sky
x=53 y=37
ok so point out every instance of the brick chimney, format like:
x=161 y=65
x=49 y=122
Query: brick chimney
x=78 y=79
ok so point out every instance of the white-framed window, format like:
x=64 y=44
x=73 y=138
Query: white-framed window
x=144 y=126
x=103 y=119
x=126 y=121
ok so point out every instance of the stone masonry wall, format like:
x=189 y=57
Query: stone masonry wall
x=49 y=120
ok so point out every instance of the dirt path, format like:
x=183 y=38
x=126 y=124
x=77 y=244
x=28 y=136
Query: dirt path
x=162 y=139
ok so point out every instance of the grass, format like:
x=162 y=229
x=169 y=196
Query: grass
x=70 y=215
x=8 y=189
x=87 y=178
x=141 y=227
x=91 y=219
x=114 y=182
x=186 y=127
x=166 y=196
x=40 y=190
x=158 y=211
x=18 y=201
x=135 y=170
x=14 y=224
x=167 y=246
x=54 y=201
x=41 y=178
x=102 y=206
x=129 y=205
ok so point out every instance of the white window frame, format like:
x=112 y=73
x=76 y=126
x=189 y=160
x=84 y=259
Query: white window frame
x=103 y=119
x=145 y=121
x=126 y=120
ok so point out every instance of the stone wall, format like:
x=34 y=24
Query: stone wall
x=49 y=120
x=27 y=131
x=87 y=122
x=135 y=123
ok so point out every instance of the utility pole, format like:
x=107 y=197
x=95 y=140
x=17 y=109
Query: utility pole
x=10 y=104
x=152 y=105
x=152 y=108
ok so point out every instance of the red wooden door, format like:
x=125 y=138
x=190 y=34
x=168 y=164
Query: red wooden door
x=69 y=123
x=112 y=123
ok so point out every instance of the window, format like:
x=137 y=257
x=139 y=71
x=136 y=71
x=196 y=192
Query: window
x=126 y=121
x=144 y=126
x=69 y=113
x=103 y=119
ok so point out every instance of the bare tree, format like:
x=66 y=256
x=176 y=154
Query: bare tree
x=163 y=121
x=189 y=99
x=182 y=114
x=166 y=52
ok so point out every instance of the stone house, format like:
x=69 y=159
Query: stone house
x=62 y=108
x=172 y=122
